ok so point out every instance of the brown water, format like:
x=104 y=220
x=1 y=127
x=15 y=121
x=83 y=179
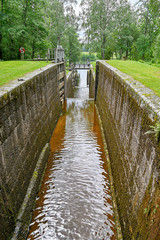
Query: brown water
x=74 y=202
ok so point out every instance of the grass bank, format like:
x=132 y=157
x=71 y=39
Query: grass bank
x=146 y=74
x=94 y=65
x=10 y=70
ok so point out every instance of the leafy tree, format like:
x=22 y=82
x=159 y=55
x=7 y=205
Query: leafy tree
x=143 y=47
x=125 y=28
x=72 y=45
x=157 y=50
x=148 y=27
x=97 y=20
x=35 y=25
x=22 y=26
x=56 y=21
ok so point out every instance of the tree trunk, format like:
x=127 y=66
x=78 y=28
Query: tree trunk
x=25 y=10
x=70 y=50
x=2 y=1
x=143 y=56
x=0 y=46
x=116 y=54
x=127 y=51
x=102 y=54
x=147 y=21
x=103 y=46
x=33 y=49
x=130 y=53
x=120 y=53
x=58 y=41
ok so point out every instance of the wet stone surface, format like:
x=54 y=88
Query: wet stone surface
x=74 y=201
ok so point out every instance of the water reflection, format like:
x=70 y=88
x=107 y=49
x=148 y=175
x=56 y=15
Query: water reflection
x=82 y=91
x=74 y=201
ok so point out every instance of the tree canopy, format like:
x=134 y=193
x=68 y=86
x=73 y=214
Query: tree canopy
x=37 y=25
x=113 y=28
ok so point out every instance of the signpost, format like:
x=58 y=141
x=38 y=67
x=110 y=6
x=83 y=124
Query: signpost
x=22 y=51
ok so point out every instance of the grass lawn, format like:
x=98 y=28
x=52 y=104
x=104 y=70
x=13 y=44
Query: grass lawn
x=148 y=75
x=94 y=65
x=67 y=71
x=10 y=70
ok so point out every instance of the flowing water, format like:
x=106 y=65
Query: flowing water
x=74 y=202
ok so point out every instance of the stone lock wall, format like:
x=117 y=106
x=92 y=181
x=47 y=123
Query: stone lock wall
x=71 y=82
x=29 y=110
x=127 y=109
x=91 y=82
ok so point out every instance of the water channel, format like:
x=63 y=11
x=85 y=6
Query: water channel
x=74 y=202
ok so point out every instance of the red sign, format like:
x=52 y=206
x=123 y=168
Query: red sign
x=22 y=50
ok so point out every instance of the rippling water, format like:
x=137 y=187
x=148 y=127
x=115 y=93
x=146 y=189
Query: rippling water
x=74 y=202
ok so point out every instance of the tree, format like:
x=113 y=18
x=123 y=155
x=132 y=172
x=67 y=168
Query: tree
x=62 y=28
x=97 y=21
x=157 y=49
x=35 y=25
x=125 y=28
x=148 y=27
x=73 y=45
x=22 y=26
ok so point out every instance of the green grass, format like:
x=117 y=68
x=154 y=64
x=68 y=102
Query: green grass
x=11 y=70
x=67 y=71
x=148 y=75
x=94 y=65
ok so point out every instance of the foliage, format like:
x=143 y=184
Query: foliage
x=157 y=49
x=155 y=130
x=142 y=72
x=72 y=45
x=113 y=28
x=97 y=15
x=37 y=25
x=10 y=70
x=88 y=56
x=143 y=47
x=23 y=25
x=116 y=29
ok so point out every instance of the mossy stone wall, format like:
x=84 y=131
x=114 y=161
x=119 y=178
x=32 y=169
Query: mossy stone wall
x=127 y=109
x=71 y=82
x=29 y=110
x=91 y=81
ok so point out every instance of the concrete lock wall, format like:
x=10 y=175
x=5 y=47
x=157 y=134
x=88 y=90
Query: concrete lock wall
x=127 y=109
x=29 y=110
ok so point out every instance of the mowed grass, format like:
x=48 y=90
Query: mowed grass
x=148 y=75
x=10 y=70
x=94 y=65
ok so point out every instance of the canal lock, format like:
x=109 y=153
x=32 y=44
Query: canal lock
x=75 y=201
